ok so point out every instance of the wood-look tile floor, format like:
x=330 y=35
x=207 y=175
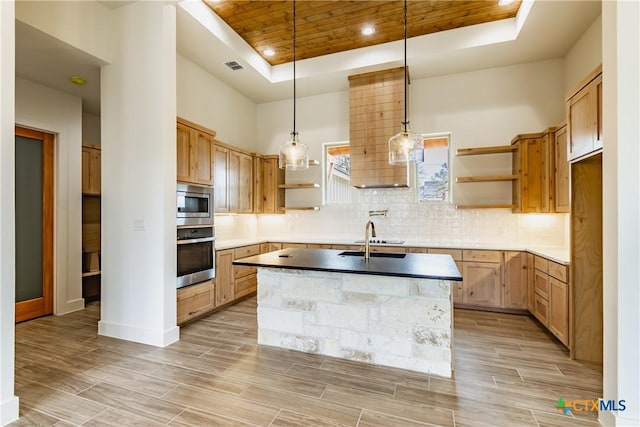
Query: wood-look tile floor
x=508 y=372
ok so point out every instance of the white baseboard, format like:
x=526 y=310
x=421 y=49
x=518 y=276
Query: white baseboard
x=145 y=336
x=69 y=306
x=9 y=410
x=612 y=419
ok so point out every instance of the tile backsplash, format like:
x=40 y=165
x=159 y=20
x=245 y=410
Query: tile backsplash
x=407 y=220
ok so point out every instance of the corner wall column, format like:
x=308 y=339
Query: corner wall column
x=138 y=132
x=8 y=400
x=621 y=209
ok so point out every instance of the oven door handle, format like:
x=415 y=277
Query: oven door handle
x=200 y=240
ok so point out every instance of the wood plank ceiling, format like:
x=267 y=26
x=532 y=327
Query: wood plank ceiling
x=326 y=27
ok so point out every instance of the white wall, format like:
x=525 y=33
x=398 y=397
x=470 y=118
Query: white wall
x=85 y=25
x=584 y=56
x=138 y=109
x=484 y=107
x=90 y=128
x=8 y=400
x=204 y=99
x=621 y=209
x=52 y=111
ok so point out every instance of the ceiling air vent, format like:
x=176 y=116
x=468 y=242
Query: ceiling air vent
x=234 y=65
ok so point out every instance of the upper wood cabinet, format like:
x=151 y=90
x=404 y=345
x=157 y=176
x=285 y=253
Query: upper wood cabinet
x=562 y=169
x=267 y=176
x=376 y=112
x=194 y=153
x=91 y=169
x=221 y=172
x=542 y=173
x=240 y=191
x=531 y=165
x=233 y=170
x=584 y=117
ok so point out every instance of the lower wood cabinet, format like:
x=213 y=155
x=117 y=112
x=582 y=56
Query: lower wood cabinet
x=558 y=309
x=195 y=300
x=245 y=278
x=482 y=283
x=224 y=277
x=515 y=280
x=548 y=296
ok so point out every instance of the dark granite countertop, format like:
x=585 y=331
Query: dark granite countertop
x=422 y=266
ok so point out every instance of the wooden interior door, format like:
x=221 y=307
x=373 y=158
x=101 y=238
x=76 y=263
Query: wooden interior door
x=34 y=223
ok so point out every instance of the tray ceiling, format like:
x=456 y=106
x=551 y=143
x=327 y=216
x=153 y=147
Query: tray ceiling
x=327 y=27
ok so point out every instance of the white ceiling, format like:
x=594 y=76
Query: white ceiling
x=551 y=28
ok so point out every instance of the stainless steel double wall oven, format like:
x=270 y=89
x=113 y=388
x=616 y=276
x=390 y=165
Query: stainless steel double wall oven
x=195 y=234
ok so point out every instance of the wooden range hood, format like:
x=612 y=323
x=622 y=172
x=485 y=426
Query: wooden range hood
x=376 y=102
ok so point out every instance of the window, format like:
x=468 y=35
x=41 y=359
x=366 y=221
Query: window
x=432 y=176
x=336 y=165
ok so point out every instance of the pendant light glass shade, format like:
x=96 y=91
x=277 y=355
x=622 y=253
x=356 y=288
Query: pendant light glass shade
x=406 y=147
x=294 y=155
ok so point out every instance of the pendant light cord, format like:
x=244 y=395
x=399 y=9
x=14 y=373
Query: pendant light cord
x=294 y=69
x=405 y=123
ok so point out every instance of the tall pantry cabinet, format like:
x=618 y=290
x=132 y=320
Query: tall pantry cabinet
x=585 y=142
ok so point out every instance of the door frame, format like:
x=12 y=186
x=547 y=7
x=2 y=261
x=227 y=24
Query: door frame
x=37 y=307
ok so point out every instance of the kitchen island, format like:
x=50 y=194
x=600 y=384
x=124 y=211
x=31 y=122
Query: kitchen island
x=393 y=309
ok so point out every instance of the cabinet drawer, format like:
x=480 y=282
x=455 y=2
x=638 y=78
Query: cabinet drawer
x=542 y=264
x=246 y=285
x=415 y=250
x=318 y=246
x=243 y=270
x=245 y=251
x=558 y=271
x=481 y=256
x=541 y=310
x=541 y=284
x=195 y=300
x=456 y=254
x=294 y=245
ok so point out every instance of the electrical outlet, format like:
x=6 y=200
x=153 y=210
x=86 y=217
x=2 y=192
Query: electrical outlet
x=138 y=225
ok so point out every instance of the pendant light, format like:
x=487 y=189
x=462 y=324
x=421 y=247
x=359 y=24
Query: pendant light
x=405 y=146
x=294 y=155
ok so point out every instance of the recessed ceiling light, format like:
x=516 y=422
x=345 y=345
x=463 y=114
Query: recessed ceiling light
x=367 y=30
x=77 y=80
x=505 y=2
x=269 y=52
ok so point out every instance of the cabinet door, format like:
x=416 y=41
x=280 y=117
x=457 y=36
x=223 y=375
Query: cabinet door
x=562 y=172
x=515 y=280
x=584 y=119
x=246 y=285
x=183 y=153
x=221 y=171
x=272 y=196
x=482 y=284
x=202 y=158
x=258 y=185
x=233 y=183
x=559 y=310
x=224 y=277
x=533 y=175
x=531 y=277
x=457 y=288
x=91 y=170
x=245 y=183
x=597 y=83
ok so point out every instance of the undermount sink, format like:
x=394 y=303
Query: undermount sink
x=374 y=254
